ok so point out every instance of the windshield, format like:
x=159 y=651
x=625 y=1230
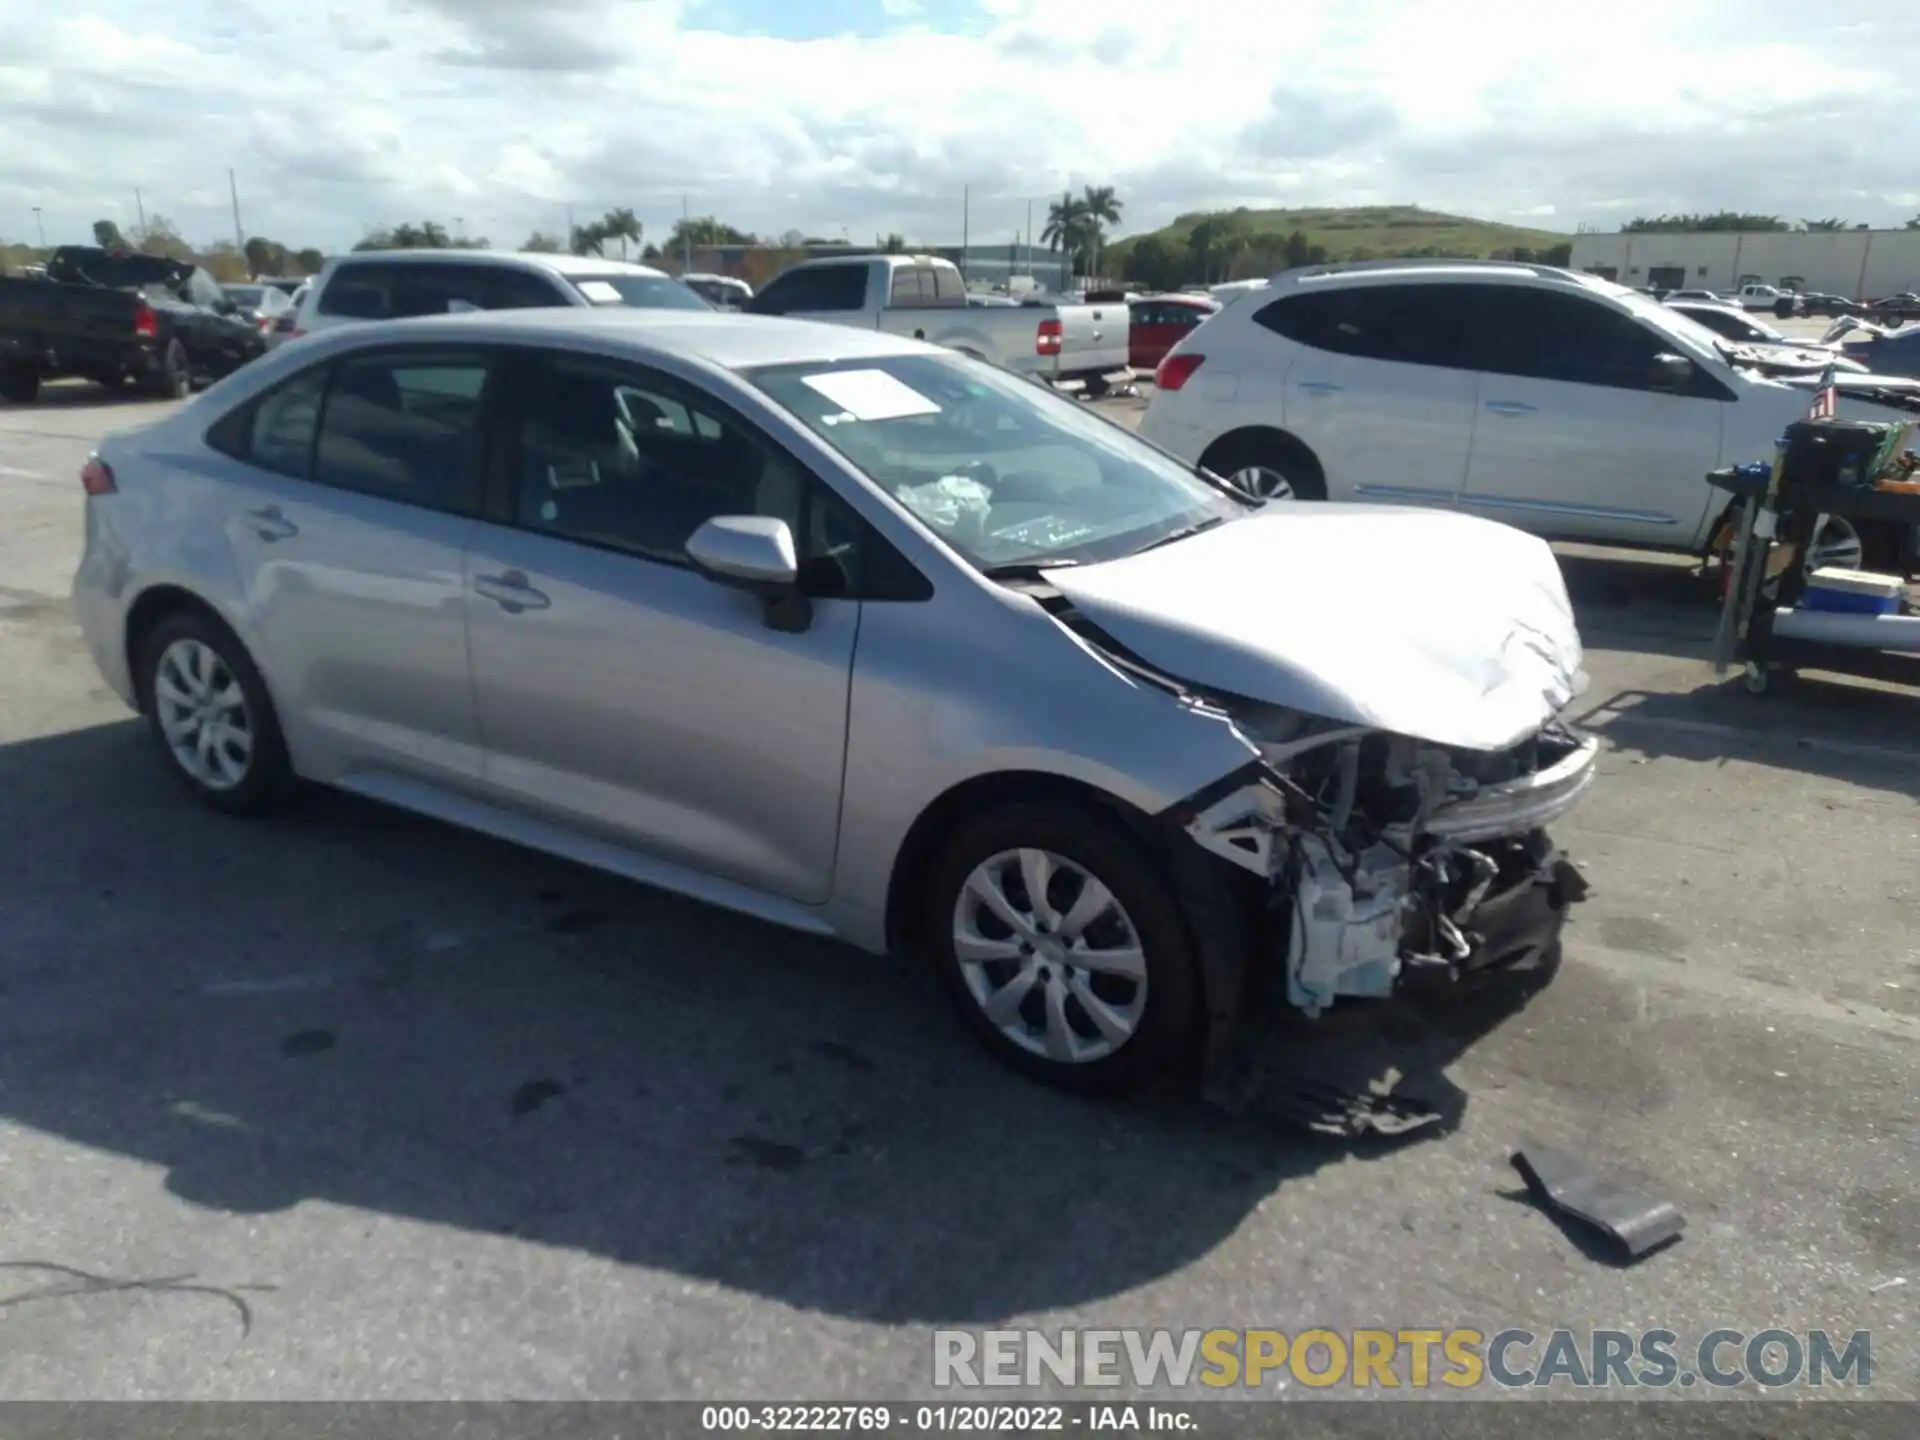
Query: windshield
x=643 y=292
x=1005 y=471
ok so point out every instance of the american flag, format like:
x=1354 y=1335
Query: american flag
x=1826 y=399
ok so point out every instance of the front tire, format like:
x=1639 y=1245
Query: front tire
x=210 y=713
x=1063 y=949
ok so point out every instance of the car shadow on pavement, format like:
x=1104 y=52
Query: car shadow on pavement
x=1838 y=728
x=69 y=396
x=346 y=1004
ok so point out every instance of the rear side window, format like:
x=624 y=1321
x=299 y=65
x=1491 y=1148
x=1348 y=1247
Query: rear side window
x=401 y=424
x=912 y=287
x=509 y=289
x=948 y=287
x=1406 y=324
x=276 y=431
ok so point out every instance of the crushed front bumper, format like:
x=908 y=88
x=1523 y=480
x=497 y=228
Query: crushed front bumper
x=1472 y=890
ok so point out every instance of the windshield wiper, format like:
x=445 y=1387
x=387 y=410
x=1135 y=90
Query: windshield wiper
x=1025 y=569
x=1183 y=533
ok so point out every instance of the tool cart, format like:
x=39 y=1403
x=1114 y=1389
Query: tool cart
x=1776 y=616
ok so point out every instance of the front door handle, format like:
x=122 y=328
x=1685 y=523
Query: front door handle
x=1509 y=407
x=269 y=524
x=1319 y=387
x=511 y=592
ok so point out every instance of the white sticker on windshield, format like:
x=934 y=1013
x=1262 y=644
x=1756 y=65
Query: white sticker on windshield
x=871 y=394
x=600 y=292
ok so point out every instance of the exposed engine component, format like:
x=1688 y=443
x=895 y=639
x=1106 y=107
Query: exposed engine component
x=1389 y=855
x=1347 y=923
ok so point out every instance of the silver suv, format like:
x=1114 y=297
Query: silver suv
x=862 y=637
x=399 y=284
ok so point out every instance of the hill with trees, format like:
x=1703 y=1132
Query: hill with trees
x=1211 y=246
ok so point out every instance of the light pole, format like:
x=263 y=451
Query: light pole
x=40 y=226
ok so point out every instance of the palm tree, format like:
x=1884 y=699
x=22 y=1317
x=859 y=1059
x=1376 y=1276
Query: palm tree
x=1101 y=207
x=1066 y=227
x=621 y=225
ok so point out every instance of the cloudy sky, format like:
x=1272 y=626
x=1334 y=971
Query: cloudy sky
x=872 y=115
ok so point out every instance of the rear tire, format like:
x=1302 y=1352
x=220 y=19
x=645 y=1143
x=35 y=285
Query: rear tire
x=20 y=383
x=1093 y=990
x=175 y=378
x=211 y=715
x=1267 y=466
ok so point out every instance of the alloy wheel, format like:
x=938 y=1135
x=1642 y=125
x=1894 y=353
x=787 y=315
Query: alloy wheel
x=1836 y=544
x=203 y=714
x=1050 y=956
x=1262 y=482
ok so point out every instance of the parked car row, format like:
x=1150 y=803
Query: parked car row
x=1081 y=347
x=118 y=318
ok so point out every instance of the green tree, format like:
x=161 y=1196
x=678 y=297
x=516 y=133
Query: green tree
x=266 y=257
x=428 y=235
x=106 y=234
x=1066 y=229
x=894 y=244
x=703 y=230
x=309 y=261
x=587 y=239
x=1154 y=264
x=1724 y=220
x=541 y=244
x=1824 y=225
x=1101 y=207
x=1914 y=223
x=160 y=236
x=622 y=225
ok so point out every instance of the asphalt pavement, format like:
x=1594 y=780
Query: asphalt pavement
x=349 y=1105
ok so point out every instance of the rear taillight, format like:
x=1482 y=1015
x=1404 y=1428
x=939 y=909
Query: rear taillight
x=146 y=324
x=1176 y=370
x=1046 y=340
x=266 y=324
x=96 y=477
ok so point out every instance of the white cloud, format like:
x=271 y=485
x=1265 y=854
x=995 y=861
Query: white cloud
x=506 y=112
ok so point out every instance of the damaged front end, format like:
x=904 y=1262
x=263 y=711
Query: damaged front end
x=1388 y=862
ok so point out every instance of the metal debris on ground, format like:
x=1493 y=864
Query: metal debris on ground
x=1563 y=1184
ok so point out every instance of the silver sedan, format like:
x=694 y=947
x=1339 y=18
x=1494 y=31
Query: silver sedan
x=863 y=638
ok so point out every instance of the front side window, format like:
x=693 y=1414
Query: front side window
x=1005 y=471
x=1549 y=335
x=510 y=289
x=400 y=425
x=622 y=458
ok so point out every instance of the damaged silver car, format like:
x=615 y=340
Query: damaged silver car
x=863 y=638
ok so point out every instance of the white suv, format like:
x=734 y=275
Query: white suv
x=1563 y=404
x=395 y=284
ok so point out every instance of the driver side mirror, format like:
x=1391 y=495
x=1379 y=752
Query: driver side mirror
x=754 y=553
x=1671 y=373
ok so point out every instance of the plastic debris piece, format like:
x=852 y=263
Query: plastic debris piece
x=1563 y=1184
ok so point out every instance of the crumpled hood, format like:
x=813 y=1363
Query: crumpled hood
x=1428 y=623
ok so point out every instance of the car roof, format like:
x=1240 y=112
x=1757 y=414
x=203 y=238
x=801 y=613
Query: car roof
x=731 y=341
x=517 y=259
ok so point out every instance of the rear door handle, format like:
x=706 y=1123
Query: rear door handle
x=269 y=524
x=1509 y=407
x=1320 y=387
x=511 y=592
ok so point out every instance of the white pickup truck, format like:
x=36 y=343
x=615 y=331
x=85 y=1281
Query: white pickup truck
x=1760 y=297
x=1075 y=347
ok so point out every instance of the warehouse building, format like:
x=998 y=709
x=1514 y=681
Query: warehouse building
x=1860 y=264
